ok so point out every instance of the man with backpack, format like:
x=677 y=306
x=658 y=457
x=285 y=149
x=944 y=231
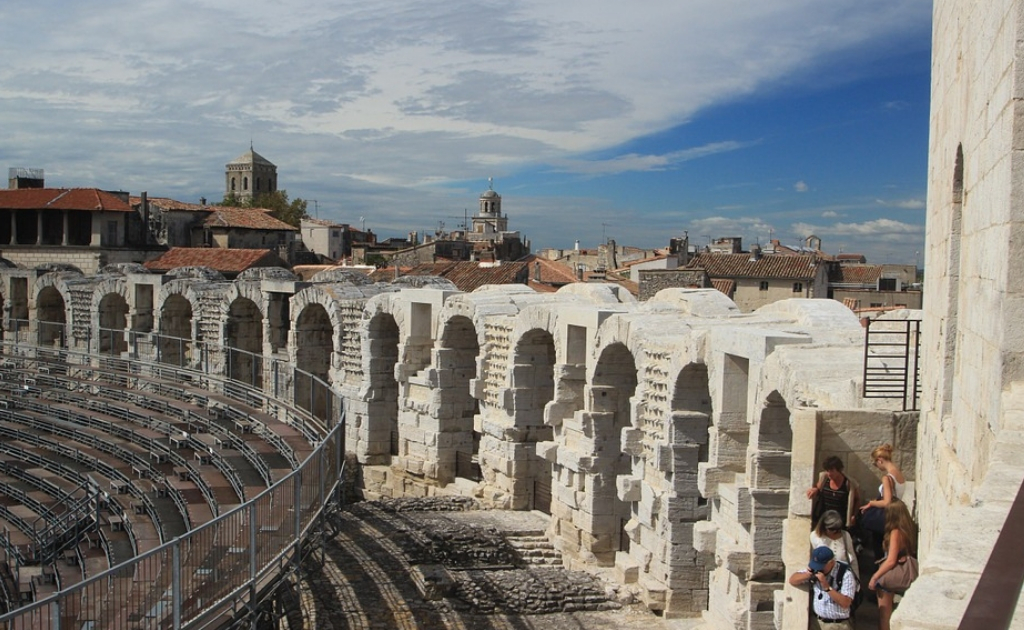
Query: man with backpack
x=833 y=587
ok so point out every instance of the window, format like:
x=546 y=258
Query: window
x=335 y=233
x=233 y=184
x=887 y=284
x=764 y=285
x=112 y=234
x=245 y=183
x=798 y=287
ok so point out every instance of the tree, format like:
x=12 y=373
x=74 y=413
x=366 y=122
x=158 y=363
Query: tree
x=291 y=212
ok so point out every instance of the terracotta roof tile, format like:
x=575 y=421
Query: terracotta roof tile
x=855 y=274
x=87 y=199
x=170 y=204
x=249 y=218
x=221 y=259
x=466 y=275
x=720 y=266
x=727 y=287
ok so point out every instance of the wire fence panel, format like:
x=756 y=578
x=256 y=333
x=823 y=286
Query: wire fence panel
x=215 y=569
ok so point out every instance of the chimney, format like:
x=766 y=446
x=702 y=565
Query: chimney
x=18 y=177
x=202 y=201
x=536 y=271
x=755 y=252
x=144 y=208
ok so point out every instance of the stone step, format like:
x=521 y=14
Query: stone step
x=534 y=548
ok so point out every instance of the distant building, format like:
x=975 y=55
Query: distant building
x=85 y=227
x=229 y=262
x=757 y=279
x=249 y=175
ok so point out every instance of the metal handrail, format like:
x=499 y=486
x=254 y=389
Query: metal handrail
x=995 y=597
x=205 y=573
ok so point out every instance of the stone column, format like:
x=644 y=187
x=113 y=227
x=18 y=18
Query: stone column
x=14 y=228
x=65 y=238
x=39 y=227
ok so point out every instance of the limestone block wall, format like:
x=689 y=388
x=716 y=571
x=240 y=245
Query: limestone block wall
x=660 y=437
x=971 y=416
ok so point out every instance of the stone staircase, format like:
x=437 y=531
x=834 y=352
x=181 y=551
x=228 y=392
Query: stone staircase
x=534 y=548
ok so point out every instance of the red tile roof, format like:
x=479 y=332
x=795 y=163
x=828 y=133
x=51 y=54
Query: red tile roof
x=727 y=287
x=221 y=259
x=87 y=199
x=170 y=204
x=855 y=274
x=734 y=266
x=466 y=275
x=248 y=218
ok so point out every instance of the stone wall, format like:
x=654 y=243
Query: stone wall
x=667 y=440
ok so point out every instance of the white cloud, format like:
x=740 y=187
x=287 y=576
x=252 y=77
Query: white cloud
x=904 y=204
x=829 y=214
x=635 y=162
x=153 y=88
x=800 y=186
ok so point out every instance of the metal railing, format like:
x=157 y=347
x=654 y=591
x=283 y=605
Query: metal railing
x=223 y=566
x=891 y=361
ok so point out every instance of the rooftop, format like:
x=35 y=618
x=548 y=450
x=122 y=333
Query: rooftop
x=84 y=199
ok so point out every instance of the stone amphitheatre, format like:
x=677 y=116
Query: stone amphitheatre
x=184 y=451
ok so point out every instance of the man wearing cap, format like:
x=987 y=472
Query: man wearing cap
x=831 y=601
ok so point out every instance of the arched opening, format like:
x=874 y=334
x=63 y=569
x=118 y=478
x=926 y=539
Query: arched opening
x=52 y=316
x=245 y=341
x=953 y=287
x=533 y=374
x=613 y=386
x=113 y=319
x=458 y=409
x=382 y=407
x=689 y=437
x=175 y=330
x=314 y=344
x=769 y=479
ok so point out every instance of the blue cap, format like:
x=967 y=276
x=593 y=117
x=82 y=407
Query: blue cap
x=820 y=557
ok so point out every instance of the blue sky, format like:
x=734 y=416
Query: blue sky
x=596 y=119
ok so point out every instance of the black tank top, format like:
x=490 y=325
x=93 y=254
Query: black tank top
x=837 y=500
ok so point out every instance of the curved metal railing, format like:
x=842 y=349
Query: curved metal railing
x=209 y=573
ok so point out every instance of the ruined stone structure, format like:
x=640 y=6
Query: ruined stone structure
x=662 y=438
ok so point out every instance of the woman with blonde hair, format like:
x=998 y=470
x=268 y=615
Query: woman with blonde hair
x=899 y=566
x=892 y=488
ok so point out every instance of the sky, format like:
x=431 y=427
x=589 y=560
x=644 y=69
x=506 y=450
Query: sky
x=597 y=120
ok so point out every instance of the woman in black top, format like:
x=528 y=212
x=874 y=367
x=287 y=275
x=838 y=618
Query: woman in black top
x=834 y=491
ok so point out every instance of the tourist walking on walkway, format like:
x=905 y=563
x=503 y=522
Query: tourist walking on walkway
x=891 y=488
x=832 y=589
x=898 y=568
x=835 y=491
x=830 y=533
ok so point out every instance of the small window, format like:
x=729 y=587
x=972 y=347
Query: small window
x=887 y=284
x=798 y=287
x=245 y=183
x=764 y=285
x=335 y=233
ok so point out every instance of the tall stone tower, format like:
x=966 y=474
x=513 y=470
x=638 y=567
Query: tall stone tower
x=489 y=221
x=248 y=175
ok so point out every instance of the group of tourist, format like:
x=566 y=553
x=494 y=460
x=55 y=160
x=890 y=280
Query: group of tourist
x=833 y=572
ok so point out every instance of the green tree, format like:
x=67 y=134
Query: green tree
x=291 y=212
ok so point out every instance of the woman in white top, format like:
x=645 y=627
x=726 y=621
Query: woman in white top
x=829 y=533
x=893 y=481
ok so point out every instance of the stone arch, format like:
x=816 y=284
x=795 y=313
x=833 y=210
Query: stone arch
x=112 y=321
x=382 y=435
x=51 y=314
x=613 y=384
x=243 y=332
x=769 y=480
x=533 y=387
x=689 y=437
x=175 y=341
x=313 y=351
x=455 y=360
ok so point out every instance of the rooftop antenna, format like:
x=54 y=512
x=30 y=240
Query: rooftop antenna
x=316 y=207
x=490 y=183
